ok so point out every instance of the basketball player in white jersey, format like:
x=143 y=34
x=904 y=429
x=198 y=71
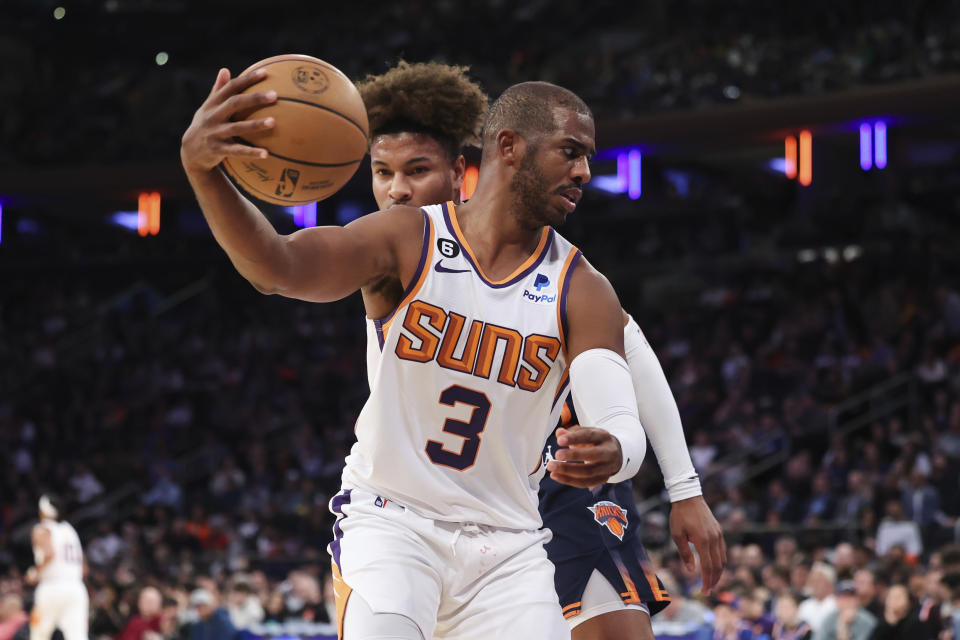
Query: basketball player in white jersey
x=438 y=534
x=416 y=160
x=61 y=600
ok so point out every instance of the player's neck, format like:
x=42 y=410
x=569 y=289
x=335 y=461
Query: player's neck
x=493 y=232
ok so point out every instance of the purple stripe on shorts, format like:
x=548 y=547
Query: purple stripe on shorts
x=336 y=506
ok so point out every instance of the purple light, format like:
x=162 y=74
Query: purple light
x=880 y=147
x=634 y=188
x=298 y=216
x=309 y=214
x=622 y=171
x=1 y=223
x=126 y=219
x=866 y=153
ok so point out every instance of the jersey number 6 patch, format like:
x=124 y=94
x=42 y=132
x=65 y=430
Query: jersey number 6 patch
x=470 y=431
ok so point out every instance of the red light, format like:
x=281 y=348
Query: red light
x=469 y=185
x=148 y=209
x=790 y=157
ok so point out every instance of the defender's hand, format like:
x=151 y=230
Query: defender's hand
x=692 y=521
x=32 y=576
x=593 y=456
x=210 y=137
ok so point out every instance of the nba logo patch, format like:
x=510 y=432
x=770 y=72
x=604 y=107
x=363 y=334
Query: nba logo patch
x=610 y=515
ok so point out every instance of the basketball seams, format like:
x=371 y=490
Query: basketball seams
x=304 y=162
x=320 y=106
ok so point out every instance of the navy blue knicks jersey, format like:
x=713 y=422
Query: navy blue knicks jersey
x=596 y=530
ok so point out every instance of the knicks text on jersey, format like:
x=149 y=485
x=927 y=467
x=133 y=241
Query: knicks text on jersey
x=466 y=379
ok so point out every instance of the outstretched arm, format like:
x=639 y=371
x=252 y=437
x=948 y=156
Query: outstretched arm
x=320 y=264
x=691 y=520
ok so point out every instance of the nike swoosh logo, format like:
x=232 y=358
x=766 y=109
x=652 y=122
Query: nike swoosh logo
x=439 y=268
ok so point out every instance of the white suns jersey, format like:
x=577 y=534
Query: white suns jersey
x=467 y=378
x=67 y=562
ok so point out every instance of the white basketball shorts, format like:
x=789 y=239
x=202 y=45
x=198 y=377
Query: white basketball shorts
x=456 y=581
x=60 y=604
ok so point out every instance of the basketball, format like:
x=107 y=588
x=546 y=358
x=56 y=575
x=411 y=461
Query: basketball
x=320 y=135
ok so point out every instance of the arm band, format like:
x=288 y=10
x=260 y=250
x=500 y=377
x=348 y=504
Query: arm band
x=603 y=394
x=660 y=417
x=38 y=557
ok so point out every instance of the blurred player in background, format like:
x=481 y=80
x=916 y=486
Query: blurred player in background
x=421 y=116
x=61 y=600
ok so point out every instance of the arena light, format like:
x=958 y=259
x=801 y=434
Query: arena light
x=162 y=58
x=126 y=219
x=310 y=214
x=866 y=147
x=634 y=184
x=790 y=157
x=59 y=13
x=148 y=214
x=606 y=183
x=470 y=178
x=623 y=178
x=880 y=144
x=805 y=173
x=304 y=215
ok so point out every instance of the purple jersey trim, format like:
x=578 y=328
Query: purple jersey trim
x=514 y=280
x=424 y=251
x=563 y=294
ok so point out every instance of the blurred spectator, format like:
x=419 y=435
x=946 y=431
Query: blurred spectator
x=683 y=616
x=165 y=492
x=727 y=623
x=12 y=616
x=105 y=620
x=84 y=484
x=213 y=622
x=849 y=621
x=149 y=605
x=243 y=605
x=899 y=621
x=897 y=531
x=822 y=602
x=866 y=588
x=105 y=546
x=921 y=502
x=787 y=624
x=753 y=614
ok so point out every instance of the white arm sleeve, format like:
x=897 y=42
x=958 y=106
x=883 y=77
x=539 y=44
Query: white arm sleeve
x=660 y=417
x=603 y=395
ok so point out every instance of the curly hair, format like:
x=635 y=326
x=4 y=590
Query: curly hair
x=439 y=100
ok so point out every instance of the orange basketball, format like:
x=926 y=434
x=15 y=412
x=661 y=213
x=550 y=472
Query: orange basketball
x=319 y=137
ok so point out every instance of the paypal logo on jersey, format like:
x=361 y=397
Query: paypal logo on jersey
x=539 y=283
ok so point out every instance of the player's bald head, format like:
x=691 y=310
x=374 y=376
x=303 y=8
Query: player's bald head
x=530 y=109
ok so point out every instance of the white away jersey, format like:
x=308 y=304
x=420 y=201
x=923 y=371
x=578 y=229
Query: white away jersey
x=467 y=378
x=67 y=563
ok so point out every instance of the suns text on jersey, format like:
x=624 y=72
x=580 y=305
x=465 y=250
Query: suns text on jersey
x=436 y=334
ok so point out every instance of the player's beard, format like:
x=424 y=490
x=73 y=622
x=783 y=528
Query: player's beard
x=532 y=190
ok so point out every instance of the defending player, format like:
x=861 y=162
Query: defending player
x=61 y=599
x=421 y=116
x=438 y=533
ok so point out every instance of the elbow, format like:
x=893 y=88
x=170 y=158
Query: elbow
x=265 y=289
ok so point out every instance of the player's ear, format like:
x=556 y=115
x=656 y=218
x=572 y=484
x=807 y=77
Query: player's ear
x=459 y=169
x=510 y=146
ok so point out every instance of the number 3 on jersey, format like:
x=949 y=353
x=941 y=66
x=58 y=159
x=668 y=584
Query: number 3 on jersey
x=471 y=430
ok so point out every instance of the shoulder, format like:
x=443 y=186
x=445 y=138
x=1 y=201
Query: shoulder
x=589 y=287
